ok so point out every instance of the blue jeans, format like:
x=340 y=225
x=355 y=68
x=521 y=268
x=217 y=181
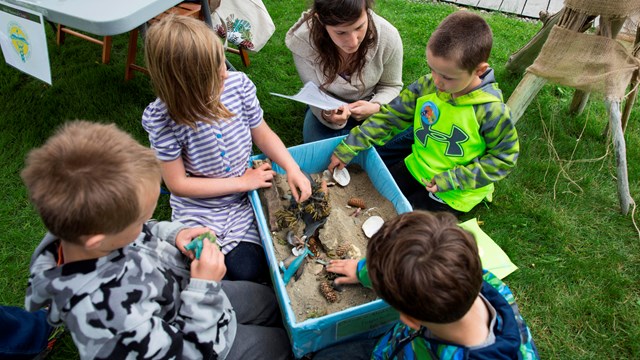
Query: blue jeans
x=392 y=152
x=23 y=334
x=247 y=261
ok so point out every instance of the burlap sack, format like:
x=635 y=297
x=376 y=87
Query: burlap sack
x=609 y=8
x=587 y=62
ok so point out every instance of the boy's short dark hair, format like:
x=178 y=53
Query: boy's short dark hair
x=87 y=179
x=463 y=37
x=426 y=266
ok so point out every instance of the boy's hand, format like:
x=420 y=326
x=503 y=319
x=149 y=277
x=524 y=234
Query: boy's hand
x=299 y=182
x=362 y=109
x=211 y=264
x=185 y=236
x=259 y=177
x=347 y=267
x=335 y=162
x=338 y=116
x=430 y=186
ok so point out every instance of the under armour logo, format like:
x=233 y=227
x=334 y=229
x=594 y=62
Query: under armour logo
x=429 y=115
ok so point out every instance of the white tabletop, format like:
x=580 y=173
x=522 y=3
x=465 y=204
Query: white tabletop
x=100 y=17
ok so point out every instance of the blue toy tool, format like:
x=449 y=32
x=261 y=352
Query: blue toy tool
x=309 y=230
x=295 y=264
x=196 y=244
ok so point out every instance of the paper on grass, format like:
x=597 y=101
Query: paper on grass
x=493 y=258
x=311 y=94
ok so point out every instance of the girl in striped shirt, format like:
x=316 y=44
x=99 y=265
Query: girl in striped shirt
x=202 y=126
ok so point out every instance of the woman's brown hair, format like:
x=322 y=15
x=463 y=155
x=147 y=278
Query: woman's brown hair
x=335 y=13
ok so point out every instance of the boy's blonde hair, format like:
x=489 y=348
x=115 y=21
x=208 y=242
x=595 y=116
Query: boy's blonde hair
x=184 y=57
x=87 y=179
x=463 y=37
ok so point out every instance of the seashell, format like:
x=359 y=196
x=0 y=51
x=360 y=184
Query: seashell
x=372 y=225
x=328 y=292
x=326 y=175
x=342 y=177
x=293 y=240
x=357 y=202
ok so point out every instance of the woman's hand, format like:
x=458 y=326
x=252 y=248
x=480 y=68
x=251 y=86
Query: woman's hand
x=259 y=177
x=338 y=116
x=362 y=109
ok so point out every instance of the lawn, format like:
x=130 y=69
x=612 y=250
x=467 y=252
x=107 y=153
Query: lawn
x=556 y=215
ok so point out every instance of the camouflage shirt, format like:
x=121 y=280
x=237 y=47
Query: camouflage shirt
x=138 y=301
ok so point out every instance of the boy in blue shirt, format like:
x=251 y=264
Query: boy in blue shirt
x=428 y=268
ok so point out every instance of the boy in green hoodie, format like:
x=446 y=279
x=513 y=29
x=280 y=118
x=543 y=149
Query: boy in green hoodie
x=464 y=139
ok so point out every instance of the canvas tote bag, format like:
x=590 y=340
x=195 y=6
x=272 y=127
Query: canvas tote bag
x=244 y=23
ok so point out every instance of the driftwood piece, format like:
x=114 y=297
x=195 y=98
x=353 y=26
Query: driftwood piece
x=613 y=107
x=631 y=99
x=270 y=199
x=523 y=94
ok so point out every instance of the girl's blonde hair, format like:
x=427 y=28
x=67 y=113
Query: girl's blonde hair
x=184 y=58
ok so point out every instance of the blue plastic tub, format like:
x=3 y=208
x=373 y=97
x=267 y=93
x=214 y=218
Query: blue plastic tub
x=366 y=320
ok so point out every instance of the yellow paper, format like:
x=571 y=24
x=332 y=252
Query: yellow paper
x=493 y=258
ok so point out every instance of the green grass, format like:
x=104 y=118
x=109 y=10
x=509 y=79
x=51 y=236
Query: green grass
x=578 y=285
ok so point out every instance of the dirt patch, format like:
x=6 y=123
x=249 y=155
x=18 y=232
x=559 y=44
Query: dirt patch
x=340 y=237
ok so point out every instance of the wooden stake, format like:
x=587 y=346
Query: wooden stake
x=613 y=107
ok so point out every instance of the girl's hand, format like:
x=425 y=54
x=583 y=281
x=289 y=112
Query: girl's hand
x=338 y=116
x=259 y=177
x=347 y=268
x=335 y=162
x=185 y=236
x=362 y=109
x=211 y=264
x=299 y=184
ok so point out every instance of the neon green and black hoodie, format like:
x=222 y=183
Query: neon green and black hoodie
x=465 y=144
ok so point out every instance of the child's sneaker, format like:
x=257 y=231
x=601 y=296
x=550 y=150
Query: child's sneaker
x=54 y=337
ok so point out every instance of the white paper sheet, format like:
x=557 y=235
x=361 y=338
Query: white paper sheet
x=311 y=94
x=23 y=41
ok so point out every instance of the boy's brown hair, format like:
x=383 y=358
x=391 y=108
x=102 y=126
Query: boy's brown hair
x=87 y=179
x=184 y=57
x=426 y=266
x=463 y=37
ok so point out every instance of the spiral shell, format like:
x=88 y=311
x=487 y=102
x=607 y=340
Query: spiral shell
x=357 y=202
x=327 y=291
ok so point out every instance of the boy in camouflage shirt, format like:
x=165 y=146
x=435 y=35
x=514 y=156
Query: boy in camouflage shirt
x=121 y=284
x=464 y=139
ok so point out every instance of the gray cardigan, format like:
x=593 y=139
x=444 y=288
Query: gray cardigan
x=381 y=75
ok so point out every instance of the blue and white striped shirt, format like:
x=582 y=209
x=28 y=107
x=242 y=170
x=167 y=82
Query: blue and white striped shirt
x=218 y=150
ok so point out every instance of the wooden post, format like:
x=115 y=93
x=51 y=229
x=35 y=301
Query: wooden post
x=519 y=61
x=524 y=93
x=613 y=107
x=579 y=101
x=631 y=99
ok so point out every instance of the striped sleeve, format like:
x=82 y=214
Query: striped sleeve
x=251 y=109
x=381 y=127
x=159 y=126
